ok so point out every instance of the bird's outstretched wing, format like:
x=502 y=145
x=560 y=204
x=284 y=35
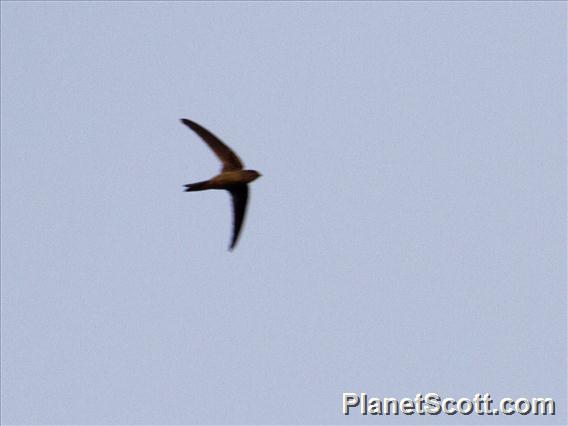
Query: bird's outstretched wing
x=229 y=159
x=239 y=195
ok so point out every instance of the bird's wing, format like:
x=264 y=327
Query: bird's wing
x=229 y=159
x=239 y=195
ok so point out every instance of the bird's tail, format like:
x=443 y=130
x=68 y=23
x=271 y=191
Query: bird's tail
x=198 y=186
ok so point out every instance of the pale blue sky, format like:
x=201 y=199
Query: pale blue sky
x=408 y=234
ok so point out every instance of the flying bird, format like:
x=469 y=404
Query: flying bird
x=232 y=178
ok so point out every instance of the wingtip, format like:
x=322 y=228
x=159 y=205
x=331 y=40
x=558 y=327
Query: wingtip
x=189 y=123
x=232 y=246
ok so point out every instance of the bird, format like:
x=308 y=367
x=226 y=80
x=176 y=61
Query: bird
x=233 y=177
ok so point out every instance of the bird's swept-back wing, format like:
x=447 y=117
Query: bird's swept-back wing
x=229 y=159
x=239 y=195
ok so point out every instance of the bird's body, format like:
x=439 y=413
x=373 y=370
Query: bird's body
x=232 y=178
x=225 y=180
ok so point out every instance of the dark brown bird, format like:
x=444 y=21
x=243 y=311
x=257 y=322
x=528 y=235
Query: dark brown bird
x=232 y=178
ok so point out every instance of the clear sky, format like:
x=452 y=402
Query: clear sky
x=407 y=236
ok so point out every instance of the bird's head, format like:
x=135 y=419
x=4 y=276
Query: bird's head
x=251 y=175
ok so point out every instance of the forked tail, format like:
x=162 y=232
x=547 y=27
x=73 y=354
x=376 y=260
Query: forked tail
x=197 y=186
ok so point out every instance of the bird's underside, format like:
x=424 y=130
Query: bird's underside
x=232 y=177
